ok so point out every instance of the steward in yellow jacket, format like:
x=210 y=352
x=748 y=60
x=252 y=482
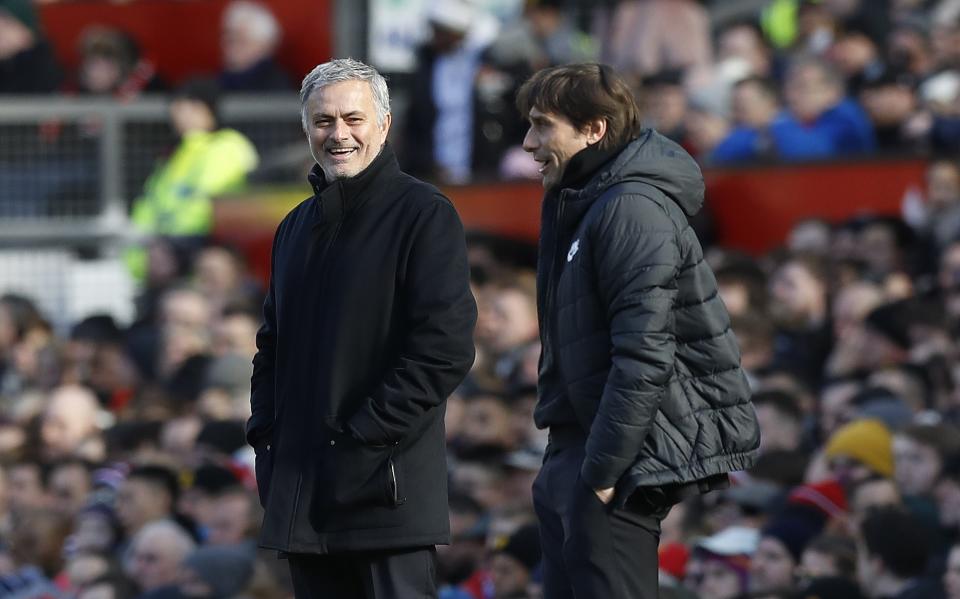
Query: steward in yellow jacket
x=176 y=200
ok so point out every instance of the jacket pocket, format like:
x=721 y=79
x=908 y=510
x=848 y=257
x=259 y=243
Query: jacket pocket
x=359 y=475
x=650 y=501
x=263 y=471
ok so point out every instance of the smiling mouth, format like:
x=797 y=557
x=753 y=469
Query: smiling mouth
x=341 y=152
x=543 y=164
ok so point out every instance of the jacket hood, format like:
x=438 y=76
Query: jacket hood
x=658 y=161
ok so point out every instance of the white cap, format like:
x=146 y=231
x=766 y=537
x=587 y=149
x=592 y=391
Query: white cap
x=942 y=88
x=457 y=15
x=733 y=540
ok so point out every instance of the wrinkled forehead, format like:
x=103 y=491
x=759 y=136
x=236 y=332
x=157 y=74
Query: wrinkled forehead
x=352 y=92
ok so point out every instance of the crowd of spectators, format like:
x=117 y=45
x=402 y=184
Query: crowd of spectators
x=123 y=467
x=111 y=62
x=733 y=82
x=124 y=464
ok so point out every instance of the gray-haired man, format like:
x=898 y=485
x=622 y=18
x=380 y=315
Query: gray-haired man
x=368 y=326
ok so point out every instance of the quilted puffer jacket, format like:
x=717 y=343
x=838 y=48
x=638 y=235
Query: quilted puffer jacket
x=635 y=336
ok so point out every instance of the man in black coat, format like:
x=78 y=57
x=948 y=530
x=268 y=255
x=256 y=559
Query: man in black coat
x=368 y=326
x=640 y=381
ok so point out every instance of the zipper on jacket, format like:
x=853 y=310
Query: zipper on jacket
x=394 y=493
x=548 y=301
x=323 y=269
x=392 y=482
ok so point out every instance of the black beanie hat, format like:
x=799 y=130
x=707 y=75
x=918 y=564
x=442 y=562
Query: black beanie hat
x=524 y=546
x=795 y=526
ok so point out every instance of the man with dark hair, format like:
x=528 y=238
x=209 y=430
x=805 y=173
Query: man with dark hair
x=800 y=310
x=513 y=562
x=743 y=286
x=755 y=336
x=209 y=160
x=781 y=420
x=814 y=94
x=640 y=381
x=892 y=554
x=149 y=493
x=368 y=328
x=762 y=130
x=919 y=453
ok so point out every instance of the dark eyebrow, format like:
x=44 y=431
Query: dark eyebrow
x=323 y=115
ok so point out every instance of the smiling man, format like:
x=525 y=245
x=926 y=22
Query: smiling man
x=640 y=381
x=368 y=327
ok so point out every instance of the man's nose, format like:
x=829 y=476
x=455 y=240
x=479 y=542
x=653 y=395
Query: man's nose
x=529 y=141
x=341 y=131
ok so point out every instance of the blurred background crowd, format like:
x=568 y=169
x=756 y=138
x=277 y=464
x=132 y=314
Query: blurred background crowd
x=123 y=467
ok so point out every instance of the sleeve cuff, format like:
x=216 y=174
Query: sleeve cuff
x=596 y=476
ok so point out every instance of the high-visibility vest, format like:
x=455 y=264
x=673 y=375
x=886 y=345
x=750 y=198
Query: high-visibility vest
x=176 y=199
x=779 y=22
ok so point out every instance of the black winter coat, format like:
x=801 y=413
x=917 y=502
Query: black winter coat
x=368 y=328
x=637 y=345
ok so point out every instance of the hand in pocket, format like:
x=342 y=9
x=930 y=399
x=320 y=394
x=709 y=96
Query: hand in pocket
x=362 y=475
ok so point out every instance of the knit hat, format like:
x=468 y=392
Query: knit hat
x=672 y=559
x=227 y=569
x=733 y=540
x=23 y=11
x=826 y=496
x=524 y=546
x=795 y=526
x=455 y=15
x=866 y=441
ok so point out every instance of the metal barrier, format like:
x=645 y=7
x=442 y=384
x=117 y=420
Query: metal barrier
x=69 y=172
x=70 y=168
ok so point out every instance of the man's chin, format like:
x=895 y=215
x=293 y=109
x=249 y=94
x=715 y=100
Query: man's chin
x=339 y=171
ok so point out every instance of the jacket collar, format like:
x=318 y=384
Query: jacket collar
x=576 y=187
x=585 y=164
x=341 y=197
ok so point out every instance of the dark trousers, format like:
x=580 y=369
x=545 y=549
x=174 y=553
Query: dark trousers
x=592 y=550
x=400 y=574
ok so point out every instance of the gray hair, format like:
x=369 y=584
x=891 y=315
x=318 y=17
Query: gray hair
x=263 y=24
x=165 y=531
x=346 y=69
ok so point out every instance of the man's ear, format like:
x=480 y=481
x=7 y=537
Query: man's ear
x=595 y=130
x=387 y=121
